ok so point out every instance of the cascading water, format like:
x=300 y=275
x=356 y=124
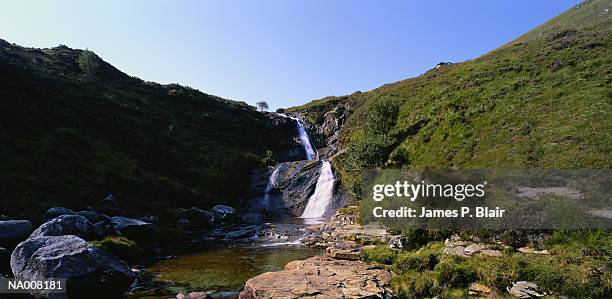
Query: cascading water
x=269 y=186
x=322 y=197
x=311 y=154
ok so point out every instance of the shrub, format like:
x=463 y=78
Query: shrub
x=382 y=117
x=367 y=152
x=451 y=274
x=89 y=62
x=381 y=254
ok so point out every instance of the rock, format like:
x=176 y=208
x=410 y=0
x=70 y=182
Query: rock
x=150 y=219
x=14 y=231
x=223 y=213
x=183 y=223
x=454 y=241
x=477 y=289
x=89 y=271
x=532 y=250
x=94 y=217
x=223 y=295
x=57 y=211
x=127 y=226
x=398 y=242
x=474 y=248
x=321 y=277
x=344 y=251
x=199 y=218
x=457 y=251
x=110 y=204
x=68 y=225
x=194 y=295
x=524 y=289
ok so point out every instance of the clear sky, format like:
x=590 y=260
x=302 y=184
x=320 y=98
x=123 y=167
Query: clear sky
x=285 y=52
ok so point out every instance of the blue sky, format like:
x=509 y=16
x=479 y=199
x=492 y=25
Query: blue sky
x=285 y=52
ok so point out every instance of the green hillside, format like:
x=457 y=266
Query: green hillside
x=74 y=129
x=541 y=101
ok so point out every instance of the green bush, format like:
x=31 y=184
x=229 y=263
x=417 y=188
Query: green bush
x=382 y=117
x=368 y=152
x=455 y=275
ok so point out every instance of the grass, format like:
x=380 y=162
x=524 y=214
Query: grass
x=542 y=101
x=568 y=270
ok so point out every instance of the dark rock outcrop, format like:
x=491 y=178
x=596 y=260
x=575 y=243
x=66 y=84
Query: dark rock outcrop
x=14 y=231
x=223 y=214
x=58 y=211
x=130 y=226
x=68 y=225
x=89 y=271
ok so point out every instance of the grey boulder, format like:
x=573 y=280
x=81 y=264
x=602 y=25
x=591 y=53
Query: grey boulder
x=132 y=226
x=89 y=271
x=68 y=225
x=58 y=211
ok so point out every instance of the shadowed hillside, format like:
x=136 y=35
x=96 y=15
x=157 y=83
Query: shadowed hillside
x=74 y=129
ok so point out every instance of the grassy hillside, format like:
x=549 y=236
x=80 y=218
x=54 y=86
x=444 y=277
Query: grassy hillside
x=541 y=101
x=74 y=129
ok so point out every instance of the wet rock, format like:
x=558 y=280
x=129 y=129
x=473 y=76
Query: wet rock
x=90 y=272
x=223 y=213
x=57 y=211
x=14 y=231
x=480 y=290
x=129 y=226
x=321 y=277
x=234 y=233
x=199 y=218
x=223 y=295
x=68 y=225
x=524 y=289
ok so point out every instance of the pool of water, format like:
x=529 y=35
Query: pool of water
x=227 y=269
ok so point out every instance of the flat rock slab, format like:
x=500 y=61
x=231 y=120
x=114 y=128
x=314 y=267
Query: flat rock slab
x=321 y=277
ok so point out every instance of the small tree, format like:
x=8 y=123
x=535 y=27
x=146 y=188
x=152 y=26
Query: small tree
x=89 y=62
x=262 y=105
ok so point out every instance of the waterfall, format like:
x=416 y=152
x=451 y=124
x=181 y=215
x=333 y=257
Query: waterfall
x=322 y=197
x=310 y=152
x=269 y=186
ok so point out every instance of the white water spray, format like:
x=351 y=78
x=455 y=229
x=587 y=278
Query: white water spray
x=322 y=197
x=310 y=152
x=269 y=186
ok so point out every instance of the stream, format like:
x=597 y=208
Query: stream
x=226 y=267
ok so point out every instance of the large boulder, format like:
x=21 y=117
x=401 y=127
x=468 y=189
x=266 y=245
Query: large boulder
x=68 y=225
x=58 y=211
x=131 y=226
x=94 y=217
x=198 y=218
x=223 y=213
x=89 y=271
x=321 y=277
x=14 y=231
